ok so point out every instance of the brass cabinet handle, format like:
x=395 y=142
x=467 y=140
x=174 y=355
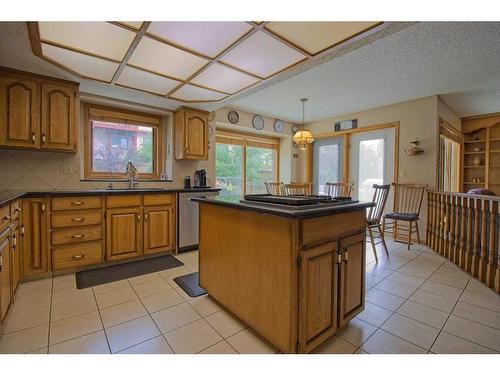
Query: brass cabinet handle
x=17 y=209
x=43 y=138
x=33 y=137
x=78 y=235
x=43 y=207
x=187 y=151
x=78 y=219
x=6 y=218
x=79 y=256
x=339 y=258
x=346 y=256
x=138 y=217
x=146 y=216
x=77 y=203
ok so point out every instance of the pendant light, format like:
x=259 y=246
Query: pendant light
x=303 y=137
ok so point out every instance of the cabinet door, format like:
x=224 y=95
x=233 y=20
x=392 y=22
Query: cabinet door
x=34 y=219
x=58 y=117
x=352 y=277
x=158 y=229
x=15 y=247
x=196 y=135
x=123 y=233
x=318 y=295
x=5 y=283
x=19 y=112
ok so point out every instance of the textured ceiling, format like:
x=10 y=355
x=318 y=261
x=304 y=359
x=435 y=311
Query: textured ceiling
x=421 y=60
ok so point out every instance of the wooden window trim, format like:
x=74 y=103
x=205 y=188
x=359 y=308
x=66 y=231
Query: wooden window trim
x=449 y=131
x=250 y=140
x=95 y=112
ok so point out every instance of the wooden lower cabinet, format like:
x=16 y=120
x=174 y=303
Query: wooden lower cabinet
x=123 y=233
x=351 y=277
x=15 y=246
x=5 y=274
x=35 y=224
x=159 y=229
x=332 y=285
x=318 y=304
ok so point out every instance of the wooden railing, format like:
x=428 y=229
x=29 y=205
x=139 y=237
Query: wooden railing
x=465 y=229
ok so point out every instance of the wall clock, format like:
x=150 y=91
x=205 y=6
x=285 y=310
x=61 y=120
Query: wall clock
x=278 y=126
x=233 y=117
x=258 y=122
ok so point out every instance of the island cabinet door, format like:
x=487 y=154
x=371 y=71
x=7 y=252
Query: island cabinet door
x=5 y=272
x=123 y=233
x=35 y=224
x=318 y=305
x=352 y=277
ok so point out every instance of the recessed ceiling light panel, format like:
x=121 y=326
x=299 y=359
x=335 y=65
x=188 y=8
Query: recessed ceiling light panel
x=222 y=78
x=145 y=81
x=192 y=93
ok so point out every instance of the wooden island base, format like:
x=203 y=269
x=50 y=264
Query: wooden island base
x=294 y=280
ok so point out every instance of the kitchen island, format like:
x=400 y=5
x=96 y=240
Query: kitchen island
x=293 y=274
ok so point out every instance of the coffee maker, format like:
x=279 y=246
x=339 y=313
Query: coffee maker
x=200 y=178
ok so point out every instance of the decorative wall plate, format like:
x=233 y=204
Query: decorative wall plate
x=294 y=144
x=295 y=129
x=233 y=117
x=278 y=126
x=258 y=122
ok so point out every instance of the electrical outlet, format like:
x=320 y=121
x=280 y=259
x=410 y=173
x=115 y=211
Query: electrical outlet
x=403 y=173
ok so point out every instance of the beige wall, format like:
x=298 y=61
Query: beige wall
x=40 y=171
x=417 y=119
x=446 y=113
x=245 y=124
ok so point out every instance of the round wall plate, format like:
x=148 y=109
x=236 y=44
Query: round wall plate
x=258 y=122
x=295 y=144
x=295 y=129
x=278 y=126
x=233 y=117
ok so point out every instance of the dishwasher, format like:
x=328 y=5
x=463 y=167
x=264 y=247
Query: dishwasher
x=188 y=224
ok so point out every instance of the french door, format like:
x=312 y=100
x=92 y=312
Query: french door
x=371 y=161
x=327 y=163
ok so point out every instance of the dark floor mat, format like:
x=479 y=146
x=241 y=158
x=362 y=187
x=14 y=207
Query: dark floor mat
x=190 y=283
x=98 y=276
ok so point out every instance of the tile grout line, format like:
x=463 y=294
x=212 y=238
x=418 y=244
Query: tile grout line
x=102 y=322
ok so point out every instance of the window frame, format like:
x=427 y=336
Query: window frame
x=249 y=140
x=122 y=116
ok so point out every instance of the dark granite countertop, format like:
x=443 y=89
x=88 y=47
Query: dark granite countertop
x=8 y=196
x=288 y=211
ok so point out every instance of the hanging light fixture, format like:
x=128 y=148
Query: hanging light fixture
x=303 y=137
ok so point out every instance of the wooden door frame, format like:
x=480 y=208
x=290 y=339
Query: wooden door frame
x=347 y=134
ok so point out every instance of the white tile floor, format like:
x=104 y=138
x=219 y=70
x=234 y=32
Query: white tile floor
x=416 y=302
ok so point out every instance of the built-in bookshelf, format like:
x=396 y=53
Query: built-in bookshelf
x=481 y=153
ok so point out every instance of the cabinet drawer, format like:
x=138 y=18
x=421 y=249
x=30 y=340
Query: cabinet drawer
x=75 y=219
x=71 y=235
x=117 y=201
x=15 y=210
x=318 y=230
x=159 y=199
x=4 y=217
x=76 y=202
x=72 y=256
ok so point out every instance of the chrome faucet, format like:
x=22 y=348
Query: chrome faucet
x=131 y=173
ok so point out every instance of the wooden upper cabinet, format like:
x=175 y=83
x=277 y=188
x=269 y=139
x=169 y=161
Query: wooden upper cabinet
x=19 y=112
x=352 y=277
x=318 y=305
x=123 y=233
x=58 y=117
x=191 y=134
x=159 y=229
x=35 y=223
x=37 y=112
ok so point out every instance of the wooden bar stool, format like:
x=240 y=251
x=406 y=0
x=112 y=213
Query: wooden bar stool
x=339 y=189
x=404 y=218
x=273 y=188
x=297 y=188
x=374 y=216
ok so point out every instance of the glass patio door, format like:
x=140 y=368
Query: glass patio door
x=327 y=159
x=371 y=161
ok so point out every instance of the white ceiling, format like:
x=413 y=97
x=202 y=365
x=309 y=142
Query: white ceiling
x=459 y=61
x=455 y=60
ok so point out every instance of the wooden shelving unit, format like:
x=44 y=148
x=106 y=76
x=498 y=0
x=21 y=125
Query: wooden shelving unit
x=481 y=141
